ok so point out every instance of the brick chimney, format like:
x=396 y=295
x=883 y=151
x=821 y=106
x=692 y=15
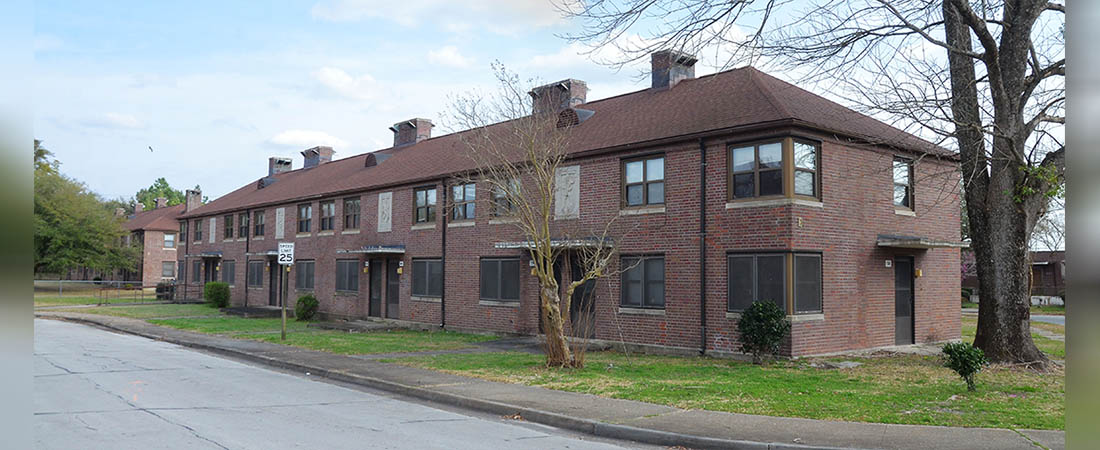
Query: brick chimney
x=138 y=207
x=316 y=156
x=194 y=200
x=276 y=164
x=411 y=131
x=160 y=202
x=671 y=67
x=554 y=97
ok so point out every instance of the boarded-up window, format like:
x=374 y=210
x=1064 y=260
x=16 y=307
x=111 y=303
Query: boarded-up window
x=229 y=272
x=255 y=273
x=500 y=279
x=303 y=274
x=807 y=283
x=427 y=278
x=643 y=282
x=347 y=275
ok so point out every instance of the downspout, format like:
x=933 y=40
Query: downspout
x=186 y=251
x=247 y=240
x=443 y=255
x=702 y=247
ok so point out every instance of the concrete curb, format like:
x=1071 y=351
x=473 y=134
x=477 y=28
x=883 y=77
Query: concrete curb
x=587 y=426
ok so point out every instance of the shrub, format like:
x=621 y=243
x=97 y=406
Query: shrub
x=965 y=359
x=306 y=307
x=762 y=326
x=967 y=293
x=216 y=294
x=166 y=290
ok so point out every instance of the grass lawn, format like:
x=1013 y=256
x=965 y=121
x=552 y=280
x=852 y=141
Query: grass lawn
x=1049 y=310
x=230 y=325
x=1055 y=349
x=373 y=342
x=148 y=311
x=1051 y=327
x=969 y=305
x=903 y=389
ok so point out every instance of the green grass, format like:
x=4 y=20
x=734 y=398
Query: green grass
x=969 y=305
x=148 y=311
x=903 y=389
x=1049 y=310
x=1053 y=348
x=230 y=325
x=399 y=341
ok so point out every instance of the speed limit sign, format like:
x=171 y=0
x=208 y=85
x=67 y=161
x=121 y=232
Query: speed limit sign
x=286 y=253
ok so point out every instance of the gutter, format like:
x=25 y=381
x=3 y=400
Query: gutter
x=702 y=247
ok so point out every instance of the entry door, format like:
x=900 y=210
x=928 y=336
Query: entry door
x=208 y=272
x=273 y=283
x=903 y=300
x=582 y=306
x=375 y=308
x=393 y=290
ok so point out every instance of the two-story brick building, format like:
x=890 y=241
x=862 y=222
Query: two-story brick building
x=729 y=188
x=156 y=231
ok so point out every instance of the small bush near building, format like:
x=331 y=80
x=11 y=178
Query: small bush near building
x=965 y=359
x=306 y=307
x=762 y=327
x=216 y=294
x=166 y=290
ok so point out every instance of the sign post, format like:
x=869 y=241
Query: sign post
x=286 y=259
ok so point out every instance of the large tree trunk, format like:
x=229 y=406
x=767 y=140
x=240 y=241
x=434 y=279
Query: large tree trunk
x=558 y=353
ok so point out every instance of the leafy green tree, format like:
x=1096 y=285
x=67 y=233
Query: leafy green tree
x=160 y=188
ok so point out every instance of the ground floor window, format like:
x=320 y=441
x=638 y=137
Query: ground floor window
x=168 y=269
x=643 y=282
x=500 y=279
x=764 y=276
x=807 y=283
x=303 y=274
x=427 y=278
x=255 y=273
x=229 y=272
x=196 y=271
x=347 y=275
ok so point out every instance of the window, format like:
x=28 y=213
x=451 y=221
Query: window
x=258 y=225
x=303 y=274
x=328 y=215
x=305 y=217
x=464 y=200
x=756 y=170
x=643 y=282
x=903 y=183
x=255 y=274
x=183 y=230
x=645 y=181
x=425 y=205
x=198 y=230
x=756 y=277
x=427 y=278
x=500 y=279
x=502 y=199
x=242 y=226
x=347 y=275
x=228 y=226
x=181 y=269
x=229 y=272
x=168 y=269
x=351 y=213
x=807 y=283
x=196 y=271
x=169 y=240
x=805 y=168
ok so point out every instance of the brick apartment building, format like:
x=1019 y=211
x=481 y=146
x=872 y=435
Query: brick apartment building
x=734 y=187
x=156 y=231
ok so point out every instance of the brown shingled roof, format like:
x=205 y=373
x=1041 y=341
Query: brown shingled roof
x=738 y=98
x=160 y=219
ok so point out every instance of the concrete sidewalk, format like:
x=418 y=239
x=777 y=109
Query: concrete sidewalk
x=612 y=418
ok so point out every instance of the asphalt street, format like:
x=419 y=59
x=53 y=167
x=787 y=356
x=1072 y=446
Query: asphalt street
x=97 y=389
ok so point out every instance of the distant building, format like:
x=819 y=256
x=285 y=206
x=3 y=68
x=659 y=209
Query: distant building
x=157 y=231
x=1048 y=273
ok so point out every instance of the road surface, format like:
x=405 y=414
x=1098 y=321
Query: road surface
x=1048 y=318
x=97 y=389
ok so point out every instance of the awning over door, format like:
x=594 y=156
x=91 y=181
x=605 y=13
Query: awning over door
x=263 y=253
x=376 y=250
x=558 y=243
x=917 y=242
x=217 y=254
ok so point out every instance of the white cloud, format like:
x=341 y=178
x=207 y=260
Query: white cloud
x=505 y=17
x=113 y=120
x=449 y=56
x=304 y=139
x=344 y=84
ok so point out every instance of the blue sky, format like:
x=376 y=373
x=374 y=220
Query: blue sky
x=217 y=87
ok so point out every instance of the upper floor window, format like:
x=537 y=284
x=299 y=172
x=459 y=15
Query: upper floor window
x=756 y=170
x=242 y=226
x=258 y=223
x=805 y=168
x=228 y=224
x=198 y=230
x=465 y=201
x=644 y=181
x=643 y=283
x=169 y=240
x=168 y=269
x=183 y=230
x=328 y=215
x=305 y=217
x=425 y=205
x=502 y=199
x=351 y=213
x=903 y=182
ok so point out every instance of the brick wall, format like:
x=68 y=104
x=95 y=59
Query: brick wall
x=154 y=254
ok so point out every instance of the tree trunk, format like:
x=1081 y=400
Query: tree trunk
x=558 y=353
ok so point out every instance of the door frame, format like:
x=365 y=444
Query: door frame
x=392 y=267
x=911 y=260
x=273 y=282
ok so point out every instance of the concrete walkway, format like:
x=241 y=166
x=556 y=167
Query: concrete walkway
x=612 y=418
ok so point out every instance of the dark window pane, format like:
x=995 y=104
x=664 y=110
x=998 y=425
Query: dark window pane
x=490 y=276
x=509 y=279
x=743 y=159
x=421 y=215
x=656 y=193
x=771 y=182
x=655 y=282
x=771 y=156
x=635 y=195
x=420 y=278
x=740 y=281
x=807 y=283
x=804 y=183
x=770 y=279
x=743 y=186
x=435 y=278
x=632 y=282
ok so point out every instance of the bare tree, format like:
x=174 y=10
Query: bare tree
x=518 y=155
x=1050 y=230
x=984 y=77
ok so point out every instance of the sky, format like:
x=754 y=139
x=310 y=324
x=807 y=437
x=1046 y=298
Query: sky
x=215 y=88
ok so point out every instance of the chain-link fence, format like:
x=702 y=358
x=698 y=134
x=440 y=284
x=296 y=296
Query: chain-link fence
x=79 y=292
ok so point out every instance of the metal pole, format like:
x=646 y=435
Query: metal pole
x=283 y=288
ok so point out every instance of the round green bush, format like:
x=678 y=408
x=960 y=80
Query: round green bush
x=965 y=359
x=216 y=294
x=306 y=307
x=762 y=327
